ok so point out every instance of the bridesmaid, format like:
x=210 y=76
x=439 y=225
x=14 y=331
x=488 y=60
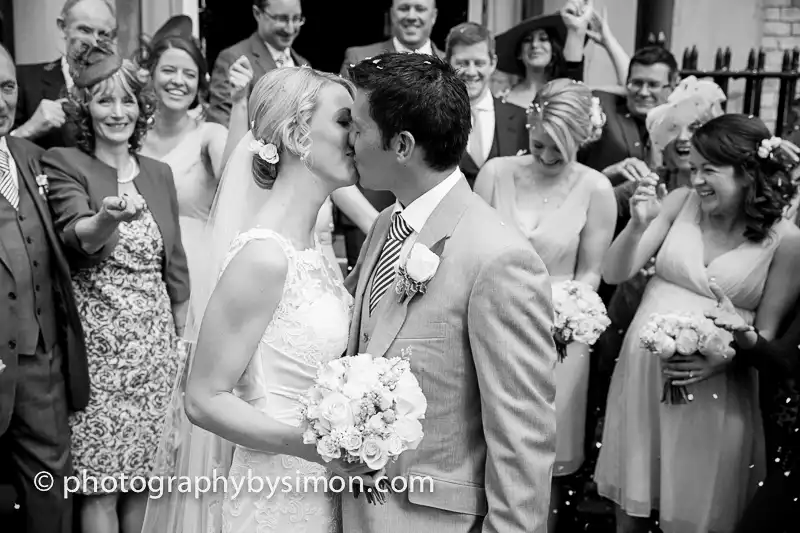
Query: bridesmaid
x=196 y=150
x=117 y=214
x=567 y=211
x=698 y=464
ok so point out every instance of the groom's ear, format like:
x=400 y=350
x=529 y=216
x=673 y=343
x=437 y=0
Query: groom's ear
x=404 y=146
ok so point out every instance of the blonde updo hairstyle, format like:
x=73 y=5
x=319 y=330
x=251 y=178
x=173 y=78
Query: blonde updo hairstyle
x=281 y=106
x=564 y=109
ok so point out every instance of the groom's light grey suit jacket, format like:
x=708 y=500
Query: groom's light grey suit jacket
x=482 y=350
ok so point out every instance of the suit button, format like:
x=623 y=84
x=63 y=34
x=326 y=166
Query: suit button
x=21 y=218
x=12 y=344
x=12 y=296
x=37 y=288
x=29 y=240
x=39 y=311
x=637 y=144
x=366 y=338
x=36 y=264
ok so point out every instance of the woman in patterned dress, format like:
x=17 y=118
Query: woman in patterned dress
x=117 y=215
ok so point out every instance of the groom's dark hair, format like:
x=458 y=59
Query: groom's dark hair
x=422 y=95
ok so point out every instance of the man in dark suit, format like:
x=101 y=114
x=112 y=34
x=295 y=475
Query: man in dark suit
x=41 y=339
x=43 y=86
x=652 y=76
x=279 y=23
x=498 y=128
x=412 y=23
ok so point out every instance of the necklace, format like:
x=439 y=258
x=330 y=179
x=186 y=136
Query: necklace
x=131 y=175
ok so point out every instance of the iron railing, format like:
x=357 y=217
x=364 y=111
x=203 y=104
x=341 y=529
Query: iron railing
x=754 y=76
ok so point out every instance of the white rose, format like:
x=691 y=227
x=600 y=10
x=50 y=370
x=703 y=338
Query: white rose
x=335 y=408
x=327 y=449
x=686 y=342
x=422 y=263
x=330 y=378
x=395 y=445
x=410 y=401
x=376 y=423
x=374 y=453
x=409 y=430
x=351 y=441
x=355 y=389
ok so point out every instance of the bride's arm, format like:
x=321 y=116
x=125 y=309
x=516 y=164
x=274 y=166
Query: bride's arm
x=237 y=315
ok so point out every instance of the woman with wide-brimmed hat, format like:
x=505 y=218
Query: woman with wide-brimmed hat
x=546 y=47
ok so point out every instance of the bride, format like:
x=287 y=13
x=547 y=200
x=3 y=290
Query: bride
x=273 y=307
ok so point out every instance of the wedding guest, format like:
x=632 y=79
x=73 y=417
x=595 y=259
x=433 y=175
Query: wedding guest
x=270 y=46
x=567 y=211
x=698 y=464
x=412 y=22
x=548 y=47
x=195 y=150
x=774 y=508
x=43 y=369
x=117 y=214
x=43 y=87
x=670 y=127
x=498 y=128
x=652 y=75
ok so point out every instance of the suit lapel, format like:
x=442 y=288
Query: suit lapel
x=439 y=226
x=364 y=277
x=263 y=57
x=505 y=131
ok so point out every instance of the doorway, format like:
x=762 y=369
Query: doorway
x=330 y=28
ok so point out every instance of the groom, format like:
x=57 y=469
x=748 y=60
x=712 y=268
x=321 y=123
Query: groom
x=479 y=336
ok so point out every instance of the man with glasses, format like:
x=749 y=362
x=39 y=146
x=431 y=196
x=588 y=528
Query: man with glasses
x=624 y=146
x=43 y=87
x=279 y=23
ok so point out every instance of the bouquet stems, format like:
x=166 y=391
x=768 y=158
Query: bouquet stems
x=673 y=394
x=561 y=349
x=373 y=495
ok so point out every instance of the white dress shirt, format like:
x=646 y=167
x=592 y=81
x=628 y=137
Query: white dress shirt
x=12 y=165
x=419 y=211
x=282 y=58
x=483 y=111
x=427 y=48
x=67 y=76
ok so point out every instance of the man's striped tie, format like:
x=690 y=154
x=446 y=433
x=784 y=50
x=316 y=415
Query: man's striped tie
x=8 y=185
x=385 y=271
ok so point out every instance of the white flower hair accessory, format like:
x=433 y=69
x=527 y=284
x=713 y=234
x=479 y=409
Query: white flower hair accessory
x=266 y=151
x=767 y=147
x=598 y=118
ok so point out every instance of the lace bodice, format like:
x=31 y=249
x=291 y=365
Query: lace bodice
x=310 y=326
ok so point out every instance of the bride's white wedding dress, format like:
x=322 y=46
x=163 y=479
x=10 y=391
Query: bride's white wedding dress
x=310 y=326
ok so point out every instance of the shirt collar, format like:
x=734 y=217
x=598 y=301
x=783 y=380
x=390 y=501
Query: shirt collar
x=427 y=48
x=275 y=53
x=65 y=70
x=418 y=211
x=484 y=103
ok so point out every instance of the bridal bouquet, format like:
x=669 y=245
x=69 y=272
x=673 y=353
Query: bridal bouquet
x=671 y=334
x=364 y=409
x=580 y=315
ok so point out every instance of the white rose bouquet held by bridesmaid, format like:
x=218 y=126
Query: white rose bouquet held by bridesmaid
x=580 y=315
x=673 y=335
x=364 y=409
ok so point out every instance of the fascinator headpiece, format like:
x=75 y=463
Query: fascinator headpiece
x=692 y=101
x=94 y=62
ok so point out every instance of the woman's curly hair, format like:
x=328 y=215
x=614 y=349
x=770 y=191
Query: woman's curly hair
x=79 y=116
x=733 y=140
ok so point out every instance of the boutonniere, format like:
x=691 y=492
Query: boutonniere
x=44 y=185
x=418 y=269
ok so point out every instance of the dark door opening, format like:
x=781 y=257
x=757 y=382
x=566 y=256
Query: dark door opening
x=330 y=28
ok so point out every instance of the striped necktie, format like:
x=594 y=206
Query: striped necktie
x=385 y=271
x=8 y=184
